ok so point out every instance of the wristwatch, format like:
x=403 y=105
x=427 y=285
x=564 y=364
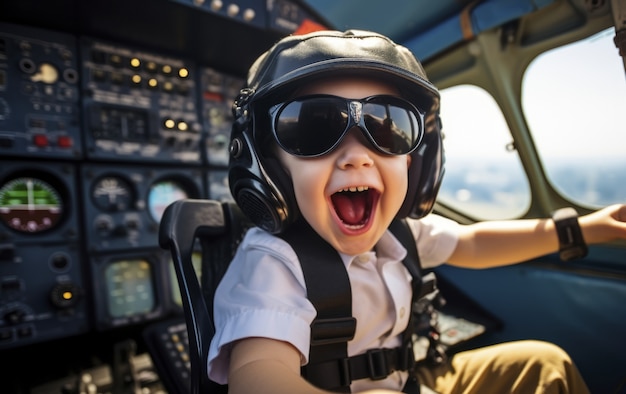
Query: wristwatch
x=571 y=242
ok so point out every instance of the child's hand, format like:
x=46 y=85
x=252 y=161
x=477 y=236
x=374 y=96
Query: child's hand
x=604 y=225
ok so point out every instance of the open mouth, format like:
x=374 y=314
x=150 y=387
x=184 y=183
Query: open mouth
x=354 y=206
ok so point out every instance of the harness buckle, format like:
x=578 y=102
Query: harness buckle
x=407 y=358
x=332 y=330
x=377 y=364
x=345 y=376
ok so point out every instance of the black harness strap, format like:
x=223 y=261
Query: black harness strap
x=329 y=290
x=426 y=295
x=401 y=230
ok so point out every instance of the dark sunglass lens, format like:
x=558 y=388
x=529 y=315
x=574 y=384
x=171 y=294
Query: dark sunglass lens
x=393 y=128
x=310 y=127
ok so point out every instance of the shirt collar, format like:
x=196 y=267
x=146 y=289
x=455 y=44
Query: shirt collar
x=387 y=249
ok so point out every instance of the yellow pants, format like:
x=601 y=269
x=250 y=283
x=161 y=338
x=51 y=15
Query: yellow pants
x=522 y=367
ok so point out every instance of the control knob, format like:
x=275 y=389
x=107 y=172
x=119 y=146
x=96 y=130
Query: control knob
x=65 y=295
x=15 y=316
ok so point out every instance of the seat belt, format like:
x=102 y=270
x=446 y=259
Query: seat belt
x=329 y=290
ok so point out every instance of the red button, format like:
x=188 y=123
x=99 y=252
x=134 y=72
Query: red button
x=64 y=141
x=40 y=140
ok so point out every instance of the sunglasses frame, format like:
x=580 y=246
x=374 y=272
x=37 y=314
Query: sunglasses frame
x=353 y=108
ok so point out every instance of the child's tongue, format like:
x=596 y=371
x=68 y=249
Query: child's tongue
x=350 y=207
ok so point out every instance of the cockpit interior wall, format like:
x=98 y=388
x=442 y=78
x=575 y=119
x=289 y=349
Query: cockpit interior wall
x=109 y=111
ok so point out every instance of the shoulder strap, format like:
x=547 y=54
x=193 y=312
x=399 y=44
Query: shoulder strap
x=328 y=289
x=426 y=295
x=401 y=230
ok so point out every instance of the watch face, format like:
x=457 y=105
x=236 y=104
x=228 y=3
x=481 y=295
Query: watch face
x=30 y=205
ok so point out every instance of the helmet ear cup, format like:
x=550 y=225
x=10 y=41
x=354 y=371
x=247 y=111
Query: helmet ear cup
x=425 y=175
x=253 y=185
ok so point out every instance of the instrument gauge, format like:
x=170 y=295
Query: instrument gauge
x=162 y=194
x=30 y=205
x=112 y=194
x=130 y=289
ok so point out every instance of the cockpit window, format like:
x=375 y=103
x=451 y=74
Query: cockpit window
x=484 y=178
x=574 y=98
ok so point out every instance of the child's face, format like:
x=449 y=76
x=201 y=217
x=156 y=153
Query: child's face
x=327 y=188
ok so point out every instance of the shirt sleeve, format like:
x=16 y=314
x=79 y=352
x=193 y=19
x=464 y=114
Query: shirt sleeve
x=436 y=238
x=262 y=294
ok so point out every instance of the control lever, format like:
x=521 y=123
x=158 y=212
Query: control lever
x=124 y=377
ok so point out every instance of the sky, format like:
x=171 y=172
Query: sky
x=574 y=98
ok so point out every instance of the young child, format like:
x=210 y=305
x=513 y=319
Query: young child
x=339 y=133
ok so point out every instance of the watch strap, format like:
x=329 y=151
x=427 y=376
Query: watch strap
x=571 y=242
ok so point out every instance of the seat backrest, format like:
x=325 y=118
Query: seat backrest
x=217 y=227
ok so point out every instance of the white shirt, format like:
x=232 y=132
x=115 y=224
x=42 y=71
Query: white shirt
x=263 y=294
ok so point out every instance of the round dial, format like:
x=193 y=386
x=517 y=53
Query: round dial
x=112 y=194
x=30 y=205
x=161 y=195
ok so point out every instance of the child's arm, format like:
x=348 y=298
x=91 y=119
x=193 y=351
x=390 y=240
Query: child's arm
x=260 y=365
x=497 y=243
x=267 y=366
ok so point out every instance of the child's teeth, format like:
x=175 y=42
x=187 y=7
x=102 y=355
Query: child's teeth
x=355 y=189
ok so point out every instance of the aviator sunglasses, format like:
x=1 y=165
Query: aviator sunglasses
x=312 y=126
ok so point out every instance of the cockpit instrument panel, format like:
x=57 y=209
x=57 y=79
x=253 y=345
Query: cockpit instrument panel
x=39 y=94
x=109 y=111
x=139 y=106
x=42 y=291
x=124 y=204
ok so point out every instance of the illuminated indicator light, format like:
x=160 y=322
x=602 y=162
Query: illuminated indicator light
x=136 y=79
x=166 y=69
x=182 y=126
x=64 y=141
x=232 y=10
x=249 y=15
x=183 y=73
x=216 y=5
x=152 y=82
x=135 y=62
x=169 y=123
x=40 y=140
x=67 y=295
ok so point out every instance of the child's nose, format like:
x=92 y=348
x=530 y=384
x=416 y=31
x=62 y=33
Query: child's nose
x=354 y=150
